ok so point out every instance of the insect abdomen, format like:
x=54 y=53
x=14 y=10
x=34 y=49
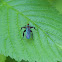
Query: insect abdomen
x=27 y=33
x=27 y=36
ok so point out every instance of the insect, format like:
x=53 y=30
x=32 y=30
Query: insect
x=28 y=31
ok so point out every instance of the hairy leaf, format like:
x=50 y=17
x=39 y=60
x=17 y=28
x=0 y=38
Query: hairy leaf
x=47 y=38
x=57 y=4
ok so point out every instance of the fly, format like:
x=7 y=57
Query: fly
x=28 y=31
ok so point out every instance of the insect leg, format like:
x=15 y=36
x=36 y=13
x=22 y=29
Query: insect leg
x=23 y=32
x=32 y=27
x=23 y=27
x=32 y=33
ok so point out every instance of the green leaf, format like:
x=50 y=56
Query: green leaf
x=44 y=47
x=9 y=59
x=2 y=58
x=57 y=4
